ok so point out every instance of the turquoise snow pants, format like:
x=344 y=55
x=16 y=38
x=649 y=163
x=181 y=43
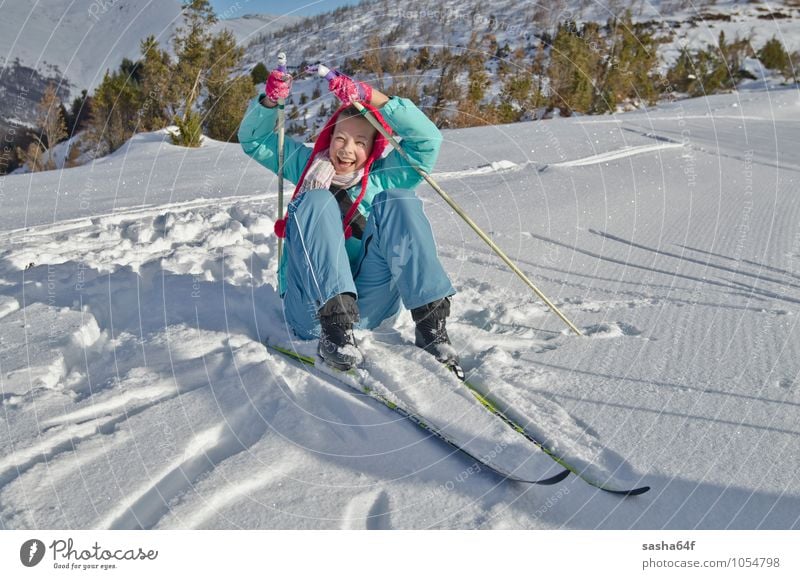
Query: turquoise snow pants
x=397 y=260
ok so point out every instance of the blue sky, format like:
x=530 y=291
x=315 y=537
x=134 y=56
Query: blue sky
x=236 y=8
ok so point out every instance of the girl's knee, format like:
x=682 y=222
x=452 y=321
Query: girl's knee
x=315 y=198
x=396 y=200
x=395 y=194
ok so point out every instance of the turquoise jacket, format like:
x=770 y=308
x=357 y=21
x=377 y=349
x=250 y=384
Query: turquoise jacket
x=421 y=141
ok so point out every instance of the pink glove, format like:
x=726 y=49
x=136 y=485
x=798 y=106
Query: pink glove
x=348 y=90
x=278 y=85
x=345 y=88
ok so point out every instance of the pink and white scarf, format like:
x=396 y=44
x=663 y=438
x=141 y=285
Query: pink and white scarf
x=321 y=175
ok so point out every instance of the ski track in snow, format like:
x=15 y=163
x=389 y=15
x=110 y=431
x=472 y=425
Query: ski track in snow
x=136 y=392
x=623 y=153
x=506 y=166
x=368 y=511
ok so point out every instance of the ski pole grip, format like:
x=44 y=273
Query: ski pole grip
x=327 y=73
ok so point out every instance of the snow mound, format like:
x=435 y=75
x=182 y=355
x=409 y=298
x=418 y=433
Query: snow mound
x=42 y=345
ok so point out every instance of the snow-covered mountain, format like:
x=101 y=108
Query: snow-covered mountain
x=436 y=23
x=250 y=26
x=78 y=40
x=136 y=292
x=350 y=33
x=71 y=43
x=75 y=41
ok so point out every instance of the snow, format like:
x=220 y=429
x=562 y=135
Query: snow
x=82 y=38
x=248 y=27
x=136 y=294
x=66 y=37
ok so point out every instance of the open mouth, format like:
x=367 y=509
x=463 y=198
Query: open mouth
x=345 y=165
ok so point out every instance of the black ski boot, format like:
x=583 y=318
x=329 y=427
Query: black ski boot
x=431 y=333
x=337 y=344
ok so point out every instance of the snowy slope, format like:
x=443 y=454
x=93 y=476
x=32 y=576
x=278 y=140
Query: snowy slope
x=135 y=294
x=83 y=38
x=247 y=27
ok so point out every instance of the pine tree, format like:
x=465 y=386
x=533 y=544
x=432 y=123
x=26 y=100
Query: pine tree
x=79 y=113
x=772 y=55
x=259 y=73
x=574 y=67
x=160 y=101
x=628 y=66
x=191 y=47
x=725 y=72
x=114 y=115
x=539 y=72
x=518 y=94
x=588 y=57
x=477 y=77
x=226 y=95
x=698 y=74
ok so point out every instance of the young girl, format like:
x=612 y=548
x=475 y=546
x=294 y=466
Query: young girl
x=357 y=241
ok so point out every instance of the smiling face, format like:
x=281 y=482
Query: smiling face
x=351 y=144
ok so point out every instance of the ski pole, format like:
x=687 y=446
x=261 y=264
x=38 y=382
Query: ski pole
x=281 y=136
x=460 y=212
